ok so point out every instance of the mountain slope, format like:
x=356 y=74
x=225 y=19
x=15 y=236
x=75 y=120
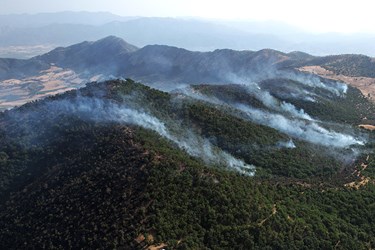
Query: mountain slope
x=166 y=67
x=89 y=56
x=202 y=34
x=160 y=57
x=349 y=65
x=97 y=192
x=98 y=57
x=113 y=165
x=113 y=55
x=16 y=68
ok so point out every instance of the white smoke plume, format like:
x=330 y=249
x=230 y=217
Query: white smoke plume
x=286 y=144
x=305 y=130
x=337 y=88
x=266 y=98
x=202 y=148
x=273 y=103
x=270 y=72
x=193 y=144
x=195 y=94
x=298 y=127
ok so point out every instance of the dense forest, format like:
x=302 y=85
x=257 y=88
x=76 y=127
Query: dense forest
x=349 y=65
x=104 y=167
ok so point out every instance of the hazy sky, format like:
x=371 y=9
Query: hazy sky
x=314 y=15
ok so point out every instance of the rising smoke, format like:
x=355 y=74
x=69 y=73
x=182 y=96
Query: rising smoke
x=270 y=72
x=298 y=127
x=286 y=144
x=100 y=111
x=273 y=103
x=311 y=80
x=306 y=130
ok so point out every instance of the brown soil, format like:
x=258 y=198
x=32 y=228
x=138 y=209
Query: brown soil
x=140 y=238
x=358 y=184
x=16 y=92
x=157 y=247
x=274 y=211
x=365 y=84
x=368 y=127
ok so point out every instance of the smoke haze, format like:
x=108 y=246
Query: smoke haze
x=302 y=126
x=98 y=110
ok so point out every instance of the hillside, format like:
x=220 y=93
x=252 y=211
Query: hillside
x=121 y=165
x=89 y=56
x=356 y=70
x=348 y=65
x=167 y=67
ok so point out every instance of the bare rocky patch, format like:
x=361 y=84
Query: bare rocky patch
x=365 y=84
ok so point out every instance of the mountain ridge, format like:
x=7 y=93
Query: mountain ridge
x=121 y=183
x=167 y=65
x=85 y=55
x=114 y=47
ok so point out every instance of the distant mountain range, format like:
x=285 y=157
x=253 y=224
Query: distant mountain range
x=66 y=28
x=121 y=165
x=153 y=63
x=214 y=150
x=165 y=67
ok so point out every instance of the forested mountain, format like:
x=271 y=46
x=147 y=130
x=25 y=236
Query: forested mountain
x=112 y=55
x=279 y=164
x=218 y=150
x=349 y=65
x=167 y=67
x=97 y=57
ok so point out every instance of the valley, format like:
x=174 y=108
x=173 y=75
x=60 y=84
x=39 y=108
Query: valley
x=25 y=52
x=16 y=92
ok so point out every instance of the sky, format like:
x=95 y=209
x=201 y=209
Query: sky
x=314 y=15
